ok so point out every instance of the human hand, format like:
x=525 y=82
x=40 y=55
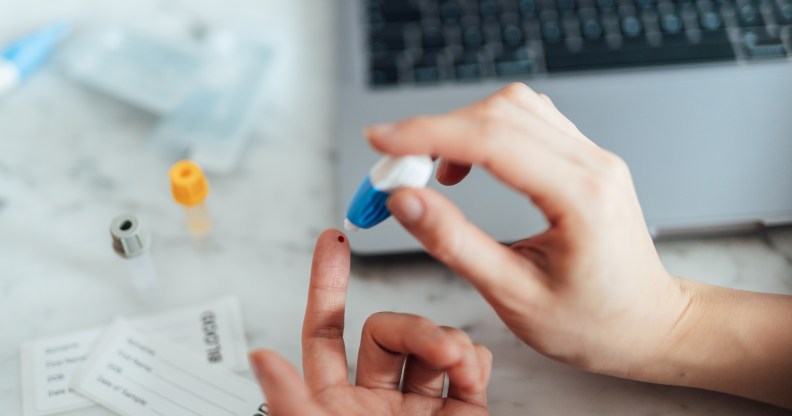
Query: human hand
x=402 y=362
x=590 y=290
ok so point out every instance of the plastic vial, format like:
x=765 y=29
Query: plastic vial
x=131 y=241
x=190 y=188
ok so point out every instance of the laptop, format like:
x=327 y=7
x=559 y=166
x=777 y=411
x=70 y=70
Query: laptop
x=696 y=96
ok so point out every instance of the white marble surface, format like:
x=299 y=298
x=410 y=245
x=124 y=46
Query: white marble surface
x=71 y=159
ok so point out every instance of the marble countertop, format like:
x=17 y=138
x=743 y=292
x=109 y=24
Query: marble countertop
x=71 y=159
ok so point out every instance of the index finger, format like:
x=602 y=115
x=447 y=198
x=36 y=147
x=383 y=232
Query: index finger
x=524 y=163
x=324 y=355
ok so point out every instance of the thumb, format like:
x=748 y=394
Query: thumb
x=495 y=270
x=284 y=389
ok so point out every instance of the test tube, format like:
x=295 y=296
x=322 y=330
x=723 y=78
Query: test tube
x=131 y=241
x=190 y=187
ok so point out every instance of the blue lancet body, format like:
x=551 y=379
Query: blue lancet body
x=369 y=206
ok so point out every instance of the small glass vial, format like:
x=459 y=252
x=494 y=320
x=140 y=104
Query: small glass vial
x=131 y=241
x=190 y=188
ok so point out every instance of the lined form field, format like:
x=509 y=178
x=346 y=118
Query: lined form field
x=135 y=373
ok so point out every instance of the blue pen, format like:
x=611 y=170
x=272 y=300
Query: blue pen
x=22 y=57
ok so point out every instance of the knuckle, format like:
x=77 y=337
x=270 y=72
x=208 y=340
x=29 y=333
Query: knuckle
x=522 y=95
x=445 y=247
x=517 y=89
x=483 y=351
x=574 y=358
x=603 y=198
x=424 y=325
x=607 y=182
x=331 y=279
x=416 y=123
x=457 y=334
x=328 y=332
x=614 y=165
x=324 y=324
x=491 y=129
x=546 y=99
x=373 y=320
x=598 y=189
x=420 y=390
x=378 y=316
x=491 y=106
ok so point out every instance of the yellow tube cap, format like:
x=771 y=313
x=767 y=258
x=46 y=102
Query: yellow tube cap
x=188 y=183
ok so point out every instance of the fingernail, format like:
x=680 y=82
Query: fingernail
x=257 y=367
x=441 y=170
x=407 y=208
x=380 y=129
x=470 y=361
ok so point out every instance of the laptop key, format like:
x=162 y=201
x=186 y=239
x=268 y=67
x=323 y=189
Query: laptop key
x=384 y=70
x=635 y=53
x=394 y=11
x=450 y=11
x=591 y=29
x=387 y=38
x=565 y=5
x=645 y=4
x=606 y=4
x=783 y=11
x=748 y=15
x=546 y=5
x=467 y=67
x=472 y=37
x=488 y=8
x=426 y=69
x=527 y=7
x=631 y=26
x=433 y=38
x=670 y=22
x=551 y=32
x=512 y=35
x=710 y=20
x=757 y=43
x=486 y=38
x=514 y=61
x=717 y=36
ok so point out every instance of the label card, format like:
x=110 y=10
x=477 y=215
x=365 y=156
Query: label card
x=141 y=374
x=213 y=329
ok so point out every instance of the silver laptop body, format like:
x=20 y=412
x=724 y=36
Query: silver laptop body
x=709 y=145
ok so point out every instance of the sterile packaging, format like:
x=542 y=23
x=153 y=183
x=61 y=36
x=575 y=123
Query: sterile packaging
x=140 y=69
x=207 y=92
x=213 y=124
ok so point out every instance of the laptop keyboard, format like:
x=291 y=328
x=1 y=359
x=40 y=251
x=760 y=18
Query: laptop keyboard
x=430 y=41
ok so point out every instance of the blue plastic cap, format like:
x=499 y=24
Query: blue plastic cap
x=369 y=206
x=29 y=53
